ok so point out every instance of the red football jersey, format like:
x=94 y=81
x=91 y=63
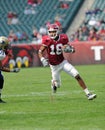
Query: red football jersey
x=55 y=54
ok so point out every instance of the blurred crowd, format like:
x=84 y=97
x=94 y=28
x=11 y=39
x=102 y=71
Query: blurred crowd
x=16 y=36
x=91 y=29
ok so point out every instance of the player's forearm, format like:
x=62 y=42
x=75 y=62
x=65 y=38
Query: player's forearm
x=40 y=54
x=42 y=59
x=41 y=50
x=5 y=69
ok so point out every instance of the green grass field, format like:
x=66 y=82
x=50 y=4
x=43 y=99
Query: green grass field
x=31 y=105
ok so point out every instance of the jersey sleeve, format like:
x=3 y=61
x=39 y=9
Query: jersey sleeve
x=45 y=40
x=64 y=39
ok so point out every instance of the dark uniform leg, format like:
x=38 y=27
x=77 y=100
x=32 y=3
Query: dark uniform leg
x=1 y=87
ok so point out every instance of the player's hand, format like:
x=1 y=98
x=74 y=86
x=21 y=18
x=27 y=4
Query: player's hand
x=15 y=70
x=69 y=49
x=44 y=61
x=72 y=49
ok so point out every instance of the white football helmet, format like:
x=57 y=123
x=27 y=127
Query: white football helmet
x=4 y=43
x=53 y=31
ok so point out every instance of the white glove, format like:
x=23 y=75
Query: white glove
x=69 y=49
x=15 y=70
x=44 y=61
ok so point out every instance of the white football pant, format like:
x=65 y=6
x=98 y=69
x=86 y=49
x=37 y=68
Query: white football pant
x=56 y=69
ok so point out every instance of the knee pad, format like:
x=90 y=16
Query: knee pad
x=74 y=72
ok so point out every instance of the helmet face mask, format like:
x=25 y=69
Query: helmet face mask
x=4 y=43
x=53 y=31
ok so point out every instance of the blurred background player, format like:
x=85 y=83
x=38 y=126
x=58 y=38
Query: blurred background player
x=56 y=44
x=4 y=46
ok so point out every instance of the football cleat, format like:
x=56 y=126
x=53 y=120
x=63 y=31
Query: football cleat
x=91 y=96
x=54 y=89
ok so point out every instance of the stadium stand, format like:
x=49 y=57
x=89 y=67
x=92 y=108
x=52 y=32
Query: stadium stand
x=93 y=23
x=45 y=11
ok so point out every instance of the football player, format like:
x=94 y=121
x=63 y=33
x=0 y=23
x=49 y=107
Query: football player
x=55 y=44
x=4 y=46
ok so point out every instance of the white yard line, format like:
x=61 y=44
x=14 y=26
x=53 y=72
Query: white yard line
x=42 y=94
